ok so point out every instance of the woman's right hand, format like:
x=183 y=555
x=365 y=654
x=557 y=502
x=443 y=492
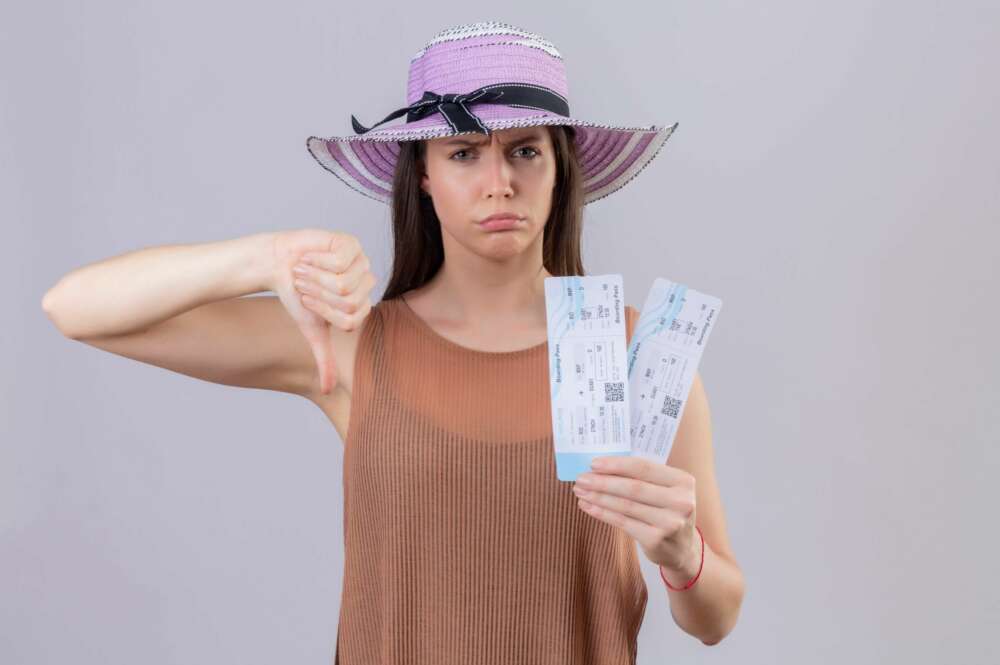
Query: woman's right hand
x=336 y=276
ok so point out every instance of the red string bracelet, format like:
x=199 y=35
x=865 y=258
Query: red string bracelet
x=700 y=566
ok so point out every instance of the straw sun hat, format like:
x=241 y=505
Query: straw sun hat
x=477 y=78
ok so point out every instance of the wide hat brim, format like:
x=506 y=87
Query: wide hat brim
x=610 y=156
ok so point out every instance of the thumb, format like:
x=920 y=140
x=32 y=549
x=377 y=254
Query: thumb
x=329 y=360
x=318 y=336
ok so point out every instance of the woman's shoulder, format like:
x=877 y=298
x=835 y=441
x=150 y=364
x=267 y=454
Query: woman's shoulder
x=386 y=309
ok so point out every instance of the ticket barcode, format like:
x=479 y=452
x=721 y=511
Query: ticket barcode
x=671 y=406
x=614 y=391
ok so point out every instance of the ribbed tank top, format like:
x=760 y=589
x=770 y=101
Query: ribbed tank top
x=460 y=544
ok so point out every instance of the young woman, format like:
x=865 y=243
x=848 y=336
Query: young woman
x=461 y=544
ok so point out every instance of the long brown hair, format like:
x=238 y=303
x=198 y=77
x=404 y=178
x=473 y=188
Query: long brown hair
x=418 y=251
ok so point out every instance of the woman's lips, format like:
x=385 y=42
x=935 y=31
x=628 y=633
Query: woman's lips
x=502 y=224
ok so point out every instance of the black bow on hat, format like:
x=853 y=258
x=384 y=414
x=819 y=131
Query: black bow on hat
x=455 y=110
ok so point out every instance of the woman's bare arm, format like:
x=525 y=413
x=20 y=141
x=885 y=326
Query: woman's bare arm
x=132 y=291
x=179 y=307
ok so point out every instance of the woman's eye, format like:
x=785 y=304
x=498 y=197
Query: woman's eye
x=534 y=153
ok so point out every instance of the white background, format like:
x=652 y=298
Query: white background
x=834 y=180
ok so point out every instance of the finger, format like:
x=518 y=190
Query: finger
x=351 y=304
x=641 y=468
x=330 y=365
x=622 y=505
x=346 y=283
x=316 y=301
x=658 y=496
x=338 y=259
x=318 y=338
x=337 y=317
x=646 y=534
x=324 y=360
x=666 y=518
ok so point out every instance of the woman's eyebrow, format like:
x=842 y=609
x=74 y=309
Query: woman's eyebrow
x=467 y=142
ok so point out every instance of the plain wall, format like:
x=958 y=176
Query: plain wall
x=833 y=179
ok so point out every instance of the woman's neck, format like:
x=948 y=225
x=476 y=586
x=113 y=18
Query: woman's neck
x=484 y=304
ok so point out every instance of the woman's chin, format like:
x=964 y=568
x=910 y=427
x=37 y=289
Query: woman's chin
x=502 y=245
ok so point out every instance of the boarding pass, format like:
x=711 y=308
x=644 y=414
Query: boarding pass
x=666 y=345
x=588 y=370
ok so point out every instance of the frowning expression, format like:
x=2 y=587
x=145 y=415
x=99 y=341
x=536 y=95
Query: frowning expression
x=473 y=176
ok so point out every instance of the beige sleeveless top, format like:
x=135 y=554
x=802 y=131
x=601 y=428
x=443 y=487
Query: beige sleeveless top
x=461 y=545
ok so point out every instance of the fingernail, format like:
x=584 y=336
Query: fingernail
x=299 y=270
x=300 y=284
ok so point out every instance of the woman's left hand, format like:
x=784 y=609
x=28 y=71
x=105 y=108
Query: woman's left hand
x=654 y=503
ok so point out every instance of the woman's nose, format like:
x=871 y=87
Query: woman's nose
x=498 y=173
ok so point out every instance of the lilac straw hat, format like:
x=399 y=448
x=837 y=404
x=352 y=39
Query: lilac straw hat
x=513 y=78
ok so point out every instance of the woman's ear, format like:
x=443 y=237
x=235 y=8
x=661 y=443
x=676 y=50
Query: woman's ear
x=421 y=167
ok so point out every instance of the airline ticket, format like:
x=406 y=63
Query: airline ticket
x=667 y=343
x=588 y=370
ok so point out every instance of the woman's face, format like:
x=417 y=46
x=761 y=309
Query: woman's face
x=472 y=176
